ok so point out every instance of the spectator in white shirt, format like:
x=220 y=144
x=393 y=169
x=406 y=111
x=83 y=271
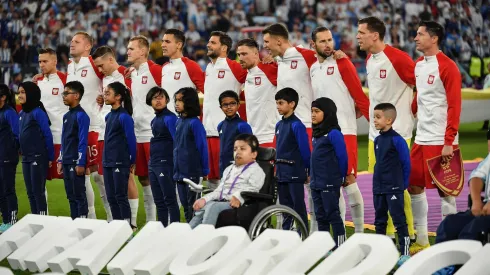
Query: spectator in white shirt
x=191 y=34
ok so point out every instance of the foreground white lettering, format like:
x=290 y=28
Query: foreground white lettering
x=89 y=245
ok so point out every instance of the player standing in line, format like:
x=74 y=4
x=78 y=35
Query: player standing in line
x=390 y=75
x=439 y=108
x=222 y=74
x=180 y=71
x=9 y=157
x=336 y=78
x=82 y=68
x=145 y=74
x=260 y=90
x=105 y=60
x=293 y=69
x=52 y=84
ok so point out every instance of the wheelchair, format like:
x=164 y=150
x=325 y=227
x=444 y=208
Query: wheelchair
x=259 y=211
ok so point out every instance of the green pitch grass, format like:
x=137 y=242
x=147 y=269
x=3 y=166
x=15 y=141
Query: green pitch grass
x=472 y=141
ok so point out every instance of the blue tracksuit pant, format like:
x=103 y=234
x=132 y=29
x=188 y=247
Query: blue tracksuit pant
x=8 y=197
x=187 y=198
x=116 y=187
x=163 y=188
x=35 y=173
x=75 y=192
x=292 y=195
x=327 y=212
x=394 y=204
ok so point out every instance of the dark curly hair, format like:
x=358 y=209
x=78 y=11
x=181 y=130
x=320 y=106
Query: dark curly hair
x=190 y=98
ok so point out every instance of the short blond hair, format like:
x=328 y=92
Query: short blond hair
x=86 y=36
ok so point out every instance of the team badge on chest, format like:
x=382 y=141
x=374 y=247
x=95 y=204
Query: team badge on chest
x=144 y=80
x=430 y=80
x=177 y=75
x=258 y=80
x=221 y=74
x=84 y=73
x=330 y=70
x=382 y=73
x=55 y=91
x=294 y=64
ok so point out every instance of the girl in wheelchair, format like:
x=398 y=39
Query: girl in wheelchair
x=244 y=175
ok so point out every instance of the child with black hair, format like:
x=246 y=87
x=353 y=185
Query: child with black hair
x=161 y=164
x=73 y=157
x=119 y=156
x=390 y=178
x=293 y=156
x=328 y=167
x=33 y=131
x=245 y=174
x=9 y=157
x=190 y=147
x=229 y=128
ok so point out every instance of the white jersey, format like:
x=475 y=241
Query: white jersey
x=390 y=73
x=87 y=73
x=294 y=72
x=116 y=76
x=223 y=75
x=338 y=80
x=438 y=100
x=180 y=73
x=52 y=87
x=260 y=90
x=147 y=76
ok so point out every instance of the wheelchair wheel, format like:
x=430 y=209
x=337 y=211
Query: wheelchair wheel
x=267 y=219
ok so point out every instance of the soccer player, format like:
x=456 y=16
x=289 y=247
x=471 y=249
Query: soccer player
x=82 y=68
x=105 y=60
x=439 y=108
x=36 y=145
x=260 y=89
x=52 y=84
x=337 y=79
x=73 y=152
x=145 y=74
x=390 y=75
x=180 y=71
x=120 y=149
x=293 y=69
x=222 y=74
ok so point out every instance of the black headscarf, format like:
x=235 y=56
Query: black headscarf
x=33 y=98
x=330 y=121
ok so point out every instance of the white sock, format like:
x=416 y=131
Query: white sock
x=47 y=204
x=99 y=180
x=356 y=204
x=150 y=208
x=134 y=203
x=89 y=191
x=420 y=207
x=342 y=205
x=448 y=206
x=313 y=222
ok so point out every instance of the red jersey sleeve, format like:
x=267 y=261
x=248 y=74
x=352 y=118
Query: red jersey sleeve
x=451 y=79
x=308 y=55
x=237 y=70
x=62 y=76
x=156 y=72
x=195 y=73
x=270 y=70
x=403 y=64
x=96 y=70
x=349 y=76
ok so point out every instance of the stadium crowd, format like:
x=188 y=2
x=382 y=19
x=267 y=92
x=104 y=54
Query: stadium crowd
x=26 y=26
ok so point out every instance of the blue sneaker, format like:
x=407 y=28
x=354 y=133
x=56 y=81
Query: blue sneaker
x=402 y=260
x=448 y=270
x=6 y=226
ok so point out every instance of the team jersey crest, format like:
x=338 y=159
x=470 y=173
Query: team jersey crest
x=294 y=64
x=177 y=75
x=258 y=80
x=55 y=91
x=382 y=73
x=84 y=73
x=330 y=70
x=430 y=80
x=144 y=79
x=221 y=74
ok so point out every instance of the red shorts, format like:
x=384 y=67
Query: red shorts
x=351 y=145
x=213 y=157
x=142 y=159
x=269 y=144
x=419 y=174
x=309 y=131
x=93 y=151
x=53 y=172
x=101 y=149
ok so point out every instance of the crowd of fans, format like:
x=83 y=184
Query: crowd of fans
x=28 y=25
